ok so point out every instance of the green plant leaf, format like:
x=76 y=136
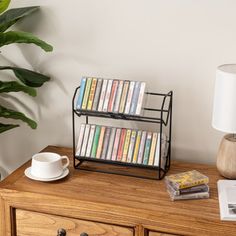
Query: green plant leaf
x=5 y=127
x=4 y=5
x=8 y=113
x=11 y=16
x=23 y=37
x=14 y=86
x=28 y=77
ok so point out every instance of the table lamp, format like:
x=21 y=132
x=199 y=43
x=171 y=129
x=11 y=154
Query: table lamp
x=224 y=118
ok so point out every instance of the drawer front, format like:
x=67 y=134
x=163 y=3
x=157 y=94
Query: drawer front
x=33 y=223
x=159 y=234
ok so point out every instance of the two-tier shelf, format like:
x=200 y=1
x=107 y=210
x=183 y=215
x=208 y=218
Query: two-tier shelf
x=161 y=116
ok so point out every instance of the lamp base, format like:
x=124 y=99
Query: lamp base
x=226 y=157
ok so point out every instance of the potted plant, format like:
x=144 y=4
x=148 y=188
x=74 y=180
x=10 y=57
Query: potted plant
x=26 y=80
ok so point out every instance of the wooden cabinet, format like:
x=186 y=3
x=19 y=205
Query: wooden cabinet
x=31 y=223
x=104 y=204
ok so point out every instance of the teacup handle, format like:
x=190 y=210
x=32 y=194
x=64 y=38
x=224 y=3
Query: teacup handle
x=67 y=162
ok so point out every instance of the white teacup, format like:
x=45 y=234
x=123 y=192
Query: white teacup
x=48 y=165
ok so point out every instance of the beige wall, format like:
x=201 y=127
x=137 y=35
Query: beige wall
x=170 y=44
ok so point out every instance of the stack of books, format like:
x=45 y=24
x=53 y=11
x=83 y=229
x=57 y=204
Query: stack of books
x=121 y=144
x=107 y=95
x=187 y=185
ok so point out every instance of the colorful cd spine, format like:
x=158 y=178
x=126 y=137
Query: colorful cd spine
x=97 y=94
x=126 y=145
x=153 y=148
x=92 y=94
x=121 y=144
x=135 y=98
x=80 y=140
x=90 y=141
x=113 y=95
x=147 y=148
x=123 y=97
x=86 y=93
x=111 y=143
x=102 y=95
x=81 y=93
x=95 y=141
x=129 y=97
x=85 y=140
x=106 y=142
x=136 y=148
x=140 y=98
x=131 y=146
x=107 y=96
x=116 y=144
x=142 y=146
x=118 y=96
x=100 y=142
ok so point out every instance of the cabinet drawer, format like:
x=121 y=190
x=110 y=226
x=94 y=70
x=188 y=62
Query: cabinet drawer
x=33 y=223
x=159 y=234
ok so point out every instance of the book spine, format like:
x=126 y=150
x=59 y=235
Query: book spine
x=92 y=94
x=126 y=145
x=116 y=144
x=100 y=142
x=124 y=97
x=147 y=148
x=102 y=95
x=80 y=140
x=81 y=93
x=85 y=140
x=118 y=96
x=107 y=96
x=95 y=141
x=86 y=93
x=136 y=147
x=106 y=142
x=140 y=98
x=129 y=97
x=153 y=148
x=135 y=98
x=142 y=146
x=97 y=94
x=90 y=141
x=113 y=95
x=121 y=144
x=157 y=153
x=131 y=146
x=111 y=143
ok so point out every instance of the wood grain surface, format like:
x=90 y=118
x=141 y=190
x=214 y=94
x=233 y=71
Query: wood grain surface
x=119 y=200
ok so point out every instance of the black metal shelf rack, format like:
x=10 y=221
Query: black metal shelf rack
x=161 y=116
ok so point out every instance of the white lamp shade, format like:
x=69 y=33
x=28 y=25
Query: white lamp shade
x=224 y=109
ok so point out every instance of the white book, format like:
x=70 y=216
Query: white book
x=111 y=143
x=163 y=150
x=140 y=98
x=85 y=140
x=80 y=140
x=90 y=140
x=129 y=97
x=141 y=148
x=131 y=146
x=118 y=96
x=107 y=96
x=102 y=95
x=227 y=199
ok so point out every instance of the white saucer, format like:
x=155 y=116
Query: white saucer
x=29 y=175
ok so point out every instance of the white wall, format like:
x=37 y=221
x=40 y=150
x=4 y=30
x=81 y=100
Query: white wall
x=170 y=44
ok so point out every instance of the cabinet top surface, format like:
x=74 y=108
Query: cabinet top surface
x=147 y=198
